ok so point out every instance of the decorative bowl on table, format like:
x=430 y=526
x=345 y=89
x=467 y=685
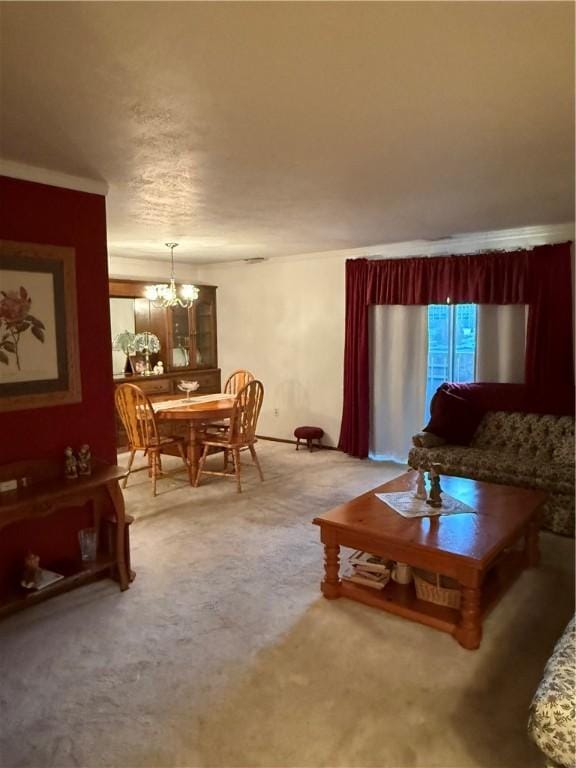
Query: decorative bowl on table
x=188 y=387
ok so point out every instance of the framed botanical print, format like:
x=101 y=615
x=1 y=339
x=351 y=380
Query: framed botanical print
x=39 y=359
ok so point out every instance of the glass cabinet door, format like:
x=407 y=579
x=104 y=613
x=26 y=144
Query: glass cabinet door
x=204 y=333
x=179 y=352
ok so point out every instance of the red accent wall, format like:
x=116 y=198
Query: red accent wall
x=37 y=213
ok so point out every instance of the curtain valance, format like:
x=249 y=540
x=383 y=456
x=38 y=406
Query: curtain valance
x=488 y=278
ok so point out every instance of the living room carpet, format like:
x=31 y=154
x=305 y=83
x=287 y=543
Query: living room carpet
x=223 y=652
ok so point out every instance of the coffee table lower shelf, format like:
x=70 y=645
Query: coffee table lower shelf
x=402 y=600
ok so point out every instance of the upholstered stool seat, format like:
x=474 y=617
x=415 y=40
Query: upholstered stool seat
x=308 y=434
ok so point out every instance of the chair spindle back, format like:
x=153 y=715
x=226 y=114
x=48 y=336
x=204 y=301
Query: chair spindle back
x=237 y=380
x=246 y=411
x=137 y=415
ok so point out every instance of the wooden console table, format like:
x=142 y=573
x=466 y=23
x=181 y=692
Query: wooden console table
x=41 y=491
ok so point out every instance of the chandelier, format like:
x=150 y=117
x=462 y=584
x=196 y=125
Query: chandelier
x=165 y=295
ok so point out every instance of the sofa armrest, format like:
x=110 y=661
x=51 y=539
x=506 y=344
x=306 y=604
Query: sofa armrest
x=552 y=722
x=427 y=440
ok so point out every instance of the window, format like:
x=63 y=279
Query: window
x=451 y=346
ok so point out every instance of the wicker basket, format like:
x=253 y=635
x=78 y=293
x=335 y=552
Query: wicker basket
x=434 y=588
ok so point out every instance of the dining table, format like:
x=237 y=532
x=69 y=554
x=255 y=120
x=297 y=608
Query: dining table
x=195 y=411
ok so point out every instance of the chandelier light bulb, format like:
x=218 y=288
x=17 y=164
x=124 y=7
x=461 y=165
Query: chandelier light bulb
x=189 y=292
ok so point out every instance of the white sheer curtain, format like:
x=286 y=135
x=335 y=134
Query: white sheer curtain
x=399 y=361
x=501 y=342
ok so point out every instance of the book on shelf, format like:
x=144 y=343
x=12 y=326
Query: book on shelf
x=373 y=575
x=44 y=578
x=374 y=580
x=368 y=562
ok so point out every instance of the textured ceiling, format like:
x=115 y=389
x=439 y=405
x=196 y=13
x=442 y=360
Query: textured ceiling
x=266 y=129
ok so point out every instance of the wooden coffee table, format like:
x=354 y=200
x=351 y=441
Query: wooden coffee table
x=484 y=552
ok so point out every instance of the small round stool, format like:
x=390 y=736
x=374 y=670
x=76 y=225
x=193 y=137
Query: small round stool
x=308 y=434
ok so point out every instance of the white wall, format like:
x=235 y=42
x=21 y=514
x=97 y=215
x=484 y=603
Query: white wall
x=155 y=270
x=284 y=321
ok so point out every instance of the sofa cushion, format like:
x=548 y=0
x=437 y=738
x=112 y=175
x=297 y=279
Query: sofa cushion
x=493 y=467
x=552 y=721
x=453 y=418
x=564 y=451
x=496 y=467
x=526 y=435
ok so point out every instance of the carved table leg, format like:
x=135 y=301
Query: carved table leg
x=469 y=631
x=331 y=583
x=115 y=495
x=531 y=548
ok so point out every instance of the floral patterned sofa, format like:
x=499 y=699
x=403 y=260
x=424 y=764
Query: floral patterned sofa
x=514 y=447
x=552 y=722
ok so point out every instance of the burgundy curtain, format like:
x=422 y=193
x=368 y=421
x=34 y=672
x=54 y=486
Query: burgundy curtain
x=540 y=277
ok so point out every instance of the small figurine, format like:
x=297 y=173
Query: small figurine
x=160 y=366
x=31 y=569
x=421 y=486
x=84 y=461
x=70 y=464
x=435 y=499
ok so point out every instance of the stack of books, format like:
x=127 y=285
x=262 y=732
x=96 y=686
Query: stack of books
x=368 y=570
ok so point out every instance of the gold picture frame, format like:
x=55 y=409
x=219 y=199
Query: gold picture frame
x=39 y=351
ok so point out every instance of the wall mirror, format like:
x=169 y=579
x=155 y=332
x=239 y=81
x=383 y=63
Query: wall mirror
x=122 y=318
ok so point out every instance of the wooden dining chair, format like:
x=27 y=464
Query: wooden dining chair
x=238 y=435
x=137 y=415
x=237 y=380
x=234 y=383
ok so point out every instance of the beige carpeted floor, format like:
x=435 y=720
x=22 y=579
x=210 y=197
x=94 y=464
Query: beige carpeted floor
x=223 y=653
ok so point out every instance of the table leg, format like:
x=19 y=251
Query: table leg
x=117 y=500
x=331 y=584
x=469 y=631
x=127 y=559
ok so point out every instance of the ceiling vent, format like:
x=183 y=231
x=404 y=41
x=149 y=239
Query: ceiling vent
x=255 y=260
